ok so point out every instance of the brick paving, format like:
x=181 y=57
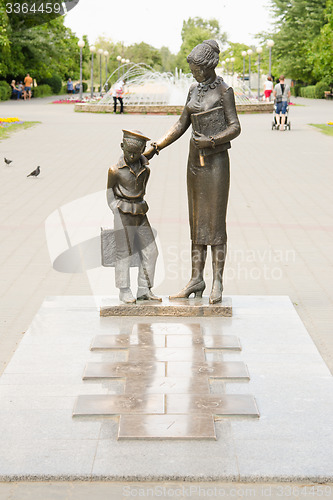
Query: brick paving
x=279 y=219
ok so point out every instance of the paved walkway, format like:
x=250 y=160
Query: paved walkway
x=279 y=219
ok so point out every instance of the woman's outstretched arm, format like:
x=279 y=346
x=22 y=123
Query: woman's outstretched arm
x=176 y=131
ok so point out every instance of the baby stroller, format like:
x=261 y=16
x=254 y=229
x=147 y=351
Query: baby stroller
x=276 y=124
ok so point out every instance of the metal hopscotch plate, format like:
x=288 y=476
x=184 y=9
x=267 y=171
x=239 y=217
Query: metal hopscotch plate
x=223 y=369
x=115 y=404
x=123 y=370
x=166 y=427
x=212 y=404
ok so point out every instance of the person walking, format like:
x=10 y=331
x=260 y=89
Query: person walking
x=281 y=95
x=118 y=93
x=268 y=88
x=70 y=86
x=27 y=87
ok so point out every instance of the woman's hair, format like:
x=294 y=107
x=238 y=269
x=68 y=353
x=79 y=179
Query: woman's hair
x=205 y=54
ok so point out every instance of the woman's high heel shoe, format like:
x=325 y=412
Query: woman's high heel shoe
x=216 y=294
x=196 y=288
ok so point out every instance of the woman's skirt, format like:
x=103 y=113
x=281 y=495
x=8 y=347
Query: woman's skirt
x=208 y=191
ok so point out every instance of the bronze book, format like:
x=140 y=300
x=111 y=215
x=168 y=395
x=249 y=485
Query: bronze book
x=209 y=123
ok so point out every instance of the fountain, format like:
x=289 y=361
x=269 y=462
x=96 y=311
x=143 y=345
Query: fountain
x=145 y=86
x=149 y=91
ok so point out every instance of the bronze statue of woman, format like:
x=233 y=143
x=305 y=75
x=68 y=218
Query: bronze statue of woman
x=210 y=108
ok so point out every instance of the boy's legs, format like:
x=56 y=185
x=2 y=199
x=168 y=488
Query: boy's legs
x=114 y=104
x=124 y=226
x=148 y=256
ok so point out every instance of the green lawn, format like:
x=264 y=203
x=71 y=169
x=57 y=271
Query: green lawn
x=6 y=131
x=326 y=129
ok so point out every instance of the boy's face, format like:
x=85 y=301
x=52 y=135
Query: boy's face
x=132 y=149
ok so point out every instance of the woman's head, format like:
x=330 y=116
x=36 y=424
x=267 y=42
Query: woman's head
x=203 y=60
x=205 y=54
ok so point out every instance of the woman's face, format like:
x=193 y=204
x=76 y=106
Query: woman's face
x=201 y=73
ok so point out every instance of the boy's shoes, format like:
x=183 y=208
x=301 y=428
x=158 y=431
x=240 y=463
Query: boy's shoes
x=126 y=296
x=146 y=294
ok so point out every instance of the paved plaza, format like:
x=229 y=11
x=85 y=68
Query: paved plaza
x=279 y=218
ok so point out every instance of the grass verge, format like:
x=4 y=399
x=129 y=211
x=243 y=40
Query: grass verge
x=7 y=131
x=326 y=129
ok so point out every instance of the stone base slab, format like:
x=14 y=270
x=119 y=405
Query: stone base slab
x=198 y=307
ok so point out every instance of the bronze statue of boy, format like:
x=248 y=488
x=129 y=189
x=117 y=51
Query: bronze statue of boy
x=126 y=188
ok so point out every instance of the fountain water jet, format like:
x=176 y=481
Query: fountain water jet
x=147 y=87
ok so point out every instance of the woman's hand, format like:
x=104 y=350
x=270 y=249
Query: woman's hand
x=150 y=152
x=201 y=141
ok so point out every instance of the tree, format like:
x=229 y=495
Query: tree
x=298 y=23
x=322 y=51
x=4 y=40
x=235 y=50
x=168 y=60
x=144 y=53
x=195 y=30
x=43 y=51
x=136 y=53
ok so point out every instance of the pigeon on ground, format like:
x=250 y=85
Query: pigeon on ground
x=34 y=173
x=7 y=161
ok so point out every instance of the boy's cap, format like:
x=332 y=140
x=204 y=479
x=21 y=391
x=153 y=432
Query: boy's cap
x=135 y=134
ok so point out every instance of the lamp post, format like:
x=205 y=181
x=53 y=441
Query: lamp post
x=233 y=61
x=227 y=61
x=249 y=53
x=118 y=59
x=92 y=51
x=270 y=44
x=259 y=51
x=100 y=52
x=123 y=62
x=81 y=44
x=106 y=70
x=244 y=53
x=223 y=66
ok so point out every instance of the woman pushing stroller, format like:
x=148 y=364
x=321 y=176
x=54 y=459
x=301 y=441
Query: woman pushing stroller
x=281 y=95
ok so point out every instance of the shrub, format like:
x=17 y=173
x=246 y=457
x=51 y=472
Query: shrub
x=321 y=87
x=309 y=91
x=296 y=89
x=42 y=91
x=84 y=86
x=5 y=91
x=55 y=82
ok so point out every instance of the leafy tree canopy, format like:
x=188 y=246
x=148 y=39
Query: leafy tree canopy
x=195 y=30
x=43 y=51
x=298 y=24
